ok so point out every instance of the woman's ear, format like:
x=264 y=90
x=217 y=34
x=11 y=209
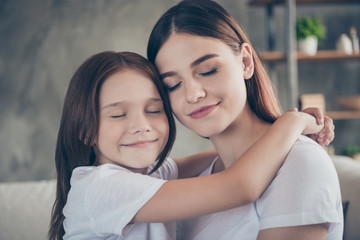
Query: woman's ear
x=247 y=60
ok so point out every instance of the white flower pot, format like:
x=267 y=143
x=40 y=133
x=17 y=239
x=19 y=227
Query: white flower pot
x=344 y=44
x=308 y=45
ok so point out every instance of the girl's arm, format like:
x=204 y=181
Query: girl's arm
x=193 y=165
x=238 y=185
x=326 y=135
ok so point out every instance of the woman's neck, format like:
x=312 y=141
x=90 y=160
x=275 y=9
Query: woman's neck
x=246 y=130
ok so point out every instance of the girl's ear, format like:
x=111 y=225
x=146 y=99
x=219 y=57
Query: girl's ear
x=247 y=60
x=87 y=141
x=93 y=143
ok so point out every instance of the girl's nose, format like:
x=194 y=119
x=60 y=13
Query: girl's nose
x=194 y=91
x=139 y=124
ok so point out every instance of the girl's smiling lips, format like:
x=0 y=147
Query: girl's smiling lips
x=203 y=111
x=140 y=144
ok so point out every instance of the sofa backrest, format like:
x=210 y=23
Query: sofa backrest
x=25 y=209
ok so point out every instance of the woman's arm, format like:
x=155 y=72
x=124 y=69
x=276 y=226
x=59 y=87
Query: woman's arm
x=238 y=185
x=193 y=165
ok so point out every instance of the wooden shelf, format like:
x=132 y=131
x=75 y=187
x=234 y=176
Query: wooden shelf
x=321 y=56
x=341 y=115
x=268 y=2
x=273 y=57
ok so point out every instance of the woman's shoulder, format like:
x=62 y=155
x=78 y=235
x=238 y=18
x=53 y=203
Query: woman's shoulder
x=308 y=156
x=307 y=168
x=306 y=147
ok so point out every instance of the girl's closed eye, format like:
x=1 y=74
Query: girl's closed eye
x=118 y=115
x=154 y=110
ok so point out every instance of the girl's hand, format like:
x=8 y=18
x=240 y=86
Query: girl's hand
x=327 y=134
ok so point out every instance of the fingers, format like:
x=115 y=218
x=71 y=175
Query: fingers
x=327 y=134
x=317 y=113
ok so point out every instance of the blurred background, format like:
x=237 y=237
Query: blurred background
x=44 y=41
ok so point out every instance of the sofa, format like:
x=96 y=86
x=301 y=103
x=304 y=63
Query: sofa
x=25 y=206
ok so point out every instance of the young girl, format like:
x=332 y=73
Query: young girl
x=219 y=89
x=115 y=132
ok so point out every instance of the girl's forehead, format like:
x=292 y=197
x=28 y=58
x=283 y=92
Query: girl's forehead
x=127 y=86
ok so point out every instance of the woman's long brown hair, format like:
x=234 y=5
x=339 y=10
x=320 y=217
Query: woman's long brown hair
x=80 y=121
x=208 y=19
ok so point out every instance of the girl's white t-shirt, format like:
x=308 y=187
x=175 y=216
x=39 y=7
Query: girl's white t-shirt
x=304 y=191
x=103 y=200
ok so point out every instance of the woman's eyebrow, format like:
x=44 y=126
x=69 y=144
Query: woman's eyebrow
x=202 y=59
x=167 y=74
x=193 y=64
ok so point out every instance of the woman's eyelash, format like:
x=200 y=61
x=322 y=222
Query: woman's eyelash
x=212 y=71
x=174 y=87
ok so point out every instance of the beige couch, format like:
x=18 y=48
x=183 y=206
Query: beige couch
x=349 y=176
x=25 y=207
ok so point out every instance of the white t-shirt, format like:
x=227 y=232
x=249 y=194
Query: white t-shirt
x=103 y=200
x=305 y=191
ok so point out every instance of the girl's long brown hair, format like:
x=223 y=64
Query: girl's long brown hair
x=208 y=19
x=80 y=121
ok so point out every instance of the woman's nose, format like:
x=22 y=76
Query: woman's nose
x=139 y=124
x=194 y=91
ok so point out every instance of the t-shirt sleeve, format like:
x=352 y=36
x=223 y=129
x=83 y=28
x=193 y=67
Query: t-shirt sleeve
x=305 y=190
x=168 y=170
x=114 y=197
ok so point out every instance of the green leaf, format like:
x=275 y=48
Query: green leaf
x=307 y=26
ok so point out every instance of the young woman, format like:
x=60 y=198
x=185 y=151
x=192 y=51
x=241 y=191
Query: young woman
x=219 y=89
x=115 y=132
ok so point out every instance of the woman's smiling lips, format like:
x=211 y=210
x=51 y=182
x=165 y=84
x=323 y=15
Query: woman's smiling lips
x=203 y=111
x=140 y=144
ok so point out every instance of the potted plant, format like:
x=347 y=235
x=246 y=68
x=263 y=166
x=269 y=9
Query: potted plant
x=352 y=151
x=308 y=32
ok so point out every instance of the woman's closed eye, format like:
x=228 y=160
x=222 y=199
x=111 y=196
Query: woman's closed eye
x=208 y=73
x=172 y=88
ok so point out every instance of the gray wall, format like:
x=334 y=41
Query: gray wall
x=44 y=41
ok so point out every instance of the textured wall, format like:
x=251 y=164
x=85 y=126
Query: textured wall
x=44 y=41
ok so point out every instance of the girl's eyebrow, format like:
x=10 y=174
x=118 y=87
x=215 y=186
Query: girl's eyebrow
x=192 y=65
x=155 y=100
x=116 y=104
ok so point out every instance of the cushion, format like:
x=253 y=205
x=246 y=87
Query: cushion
x=25 y=209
